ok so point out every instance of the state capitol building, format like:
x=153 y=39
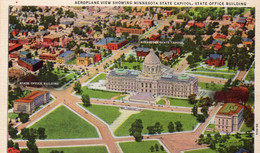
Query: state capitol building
x=152 y=79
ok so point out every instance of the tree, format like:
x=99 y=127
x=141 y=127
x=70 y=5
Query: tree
x=200 y=118
x=152 y=148
x=151 y=130
x=195 y=110
x=192 y=99
x=12 y=131
x=85 y=99
x=171 y=127
x=23 y=117
x=32 y=146
x=178 y=126
x=158 y=127
x=10 y=144
x=204 y=110
x=16 y=146
x=136 y=130
x=25 y=133
x=162 y=148
x=77 y=87
x=156 y=147
x=41 y=133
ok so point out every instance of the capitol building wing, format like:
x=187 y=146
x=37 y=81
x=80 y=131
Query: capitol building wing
x=152 y=80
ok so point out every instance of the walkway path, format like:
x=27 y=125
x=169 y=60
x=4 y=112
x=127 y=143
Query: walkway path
x=122 y=118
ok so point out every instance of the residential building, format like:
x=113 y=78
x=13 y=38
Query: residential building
x=30 y=102
x=215 y=59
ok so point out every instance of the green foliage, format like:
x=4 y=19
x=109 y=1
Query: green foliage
x=23 y=117
x=136 y=130
x=77 y=87
x=85 y=99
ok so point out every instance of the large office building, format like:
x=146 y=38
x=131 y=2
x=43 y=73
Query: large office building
x=28 y=103
x=152 y=79
x=229 y=118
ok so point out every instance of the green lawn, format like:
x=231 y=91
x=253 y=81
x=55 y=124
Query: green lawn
x=201 y=151
x=210 y=86
x=119 y=97
x=149 y=118
x=106 y=113
x=211 y=126
x=215 y=70
x=179 y=102
x=12 y=115
x=101 y=76
x=94 y=93
x=88 y=149
x=161 y=102
x=244 y=128
x=70 y=76
x=250 y=76
x=62 y=123
x=140 y=147
x=129 y=65
x=219 y=75
x=72 y=61
x=60 y=73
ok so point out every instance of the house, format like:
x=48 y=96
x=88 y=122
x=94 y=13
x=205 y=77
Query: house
x=215 y=59
x=241 y=21
x=30 y=102
x=155 y=37
x=217 y=44
x=191 y=23
x=200 y=25
x=30 y=64
x=15 y=73
x=65 y=57
x=25 y=54
x=142 y=51
x=14 y=47
x=167 y=13
x=220 y=37
x=226 y=17
x=229 y=118
x=247 y=41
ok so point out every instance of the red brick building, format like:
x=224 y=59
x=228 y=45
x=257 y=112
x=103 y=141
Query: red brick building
x=116 y=44
x=97 y=57
x=155 y=37
x=142 y=52
x=14 y=47
x=215 y=59
x=150 y=22
x=130 y=30
x=30 y=64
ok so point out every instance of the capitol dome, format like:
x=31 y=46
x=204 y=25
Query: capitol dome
x=152 y=58
x=152 y=65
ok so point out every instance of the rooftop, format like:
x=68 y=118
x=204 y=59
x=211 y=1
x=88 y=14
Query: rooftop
x=230 y=109
x=29 y=98
x=65 y=54
x=30 y=61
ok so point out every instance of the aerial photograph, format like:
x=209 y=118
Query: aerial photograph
x=131 y=79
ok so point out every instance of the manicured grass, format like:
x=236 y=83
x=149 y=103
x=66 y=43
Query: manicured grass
x=201 y=151
x=179 y=102
x=93 y=93
x=88 y=149
x=211 y=126
x=72 y=61
x=210 y=86
x=161 y=102
x=229 y=107
x=149 y=118
x=250 y=76
x=60 y=73
x=106 y=113
x=12 y=115
x=219 y=75
x=119 y=97
x=130 y=65
x=101 y=76
x=140 y=147
x=70 y=76
x=215 y=70
x=63 y=123
x=210 y=132
x=244 y=128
